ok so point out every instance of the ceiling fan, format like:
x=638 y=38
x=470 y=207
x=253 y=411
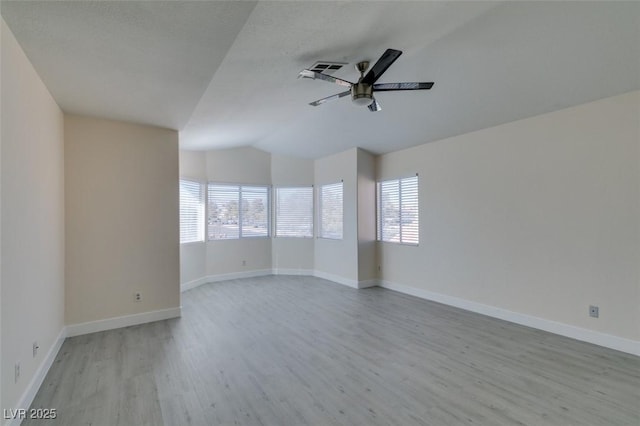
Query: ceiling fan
x=362 y=91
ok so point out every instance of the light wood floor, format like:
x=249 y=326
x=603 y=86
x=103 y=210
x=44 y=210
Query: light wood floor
x=305 y=351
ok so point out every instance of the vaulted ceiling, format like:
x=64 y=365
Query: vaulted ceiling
x=223 y=73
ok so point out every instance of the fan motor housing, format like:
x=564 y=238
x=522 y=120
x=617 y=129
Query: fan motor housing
x=362 y=94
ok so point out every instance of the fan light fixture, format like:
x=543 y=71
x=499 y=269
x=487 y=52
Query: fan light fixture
x=362 y=101
x=362 y=91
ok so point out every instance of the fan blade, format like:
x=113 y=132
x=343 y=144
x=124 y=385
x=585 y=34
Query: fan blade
x=385 y=61
x=374 y=106
x=381 y=87
x=330 y=98
x=330 y=79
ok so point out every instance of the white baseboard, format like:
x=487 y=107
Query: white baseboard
x=278 y=271
x=38 y=378
x=275 y=271
x=336 y=279
x=368 y=283
x=193 y=284
x=237 y=275
x=292 y=271
x=224 y=277
x=345 y=281
x=578 y=333
x=75 y=330
x=123 y=321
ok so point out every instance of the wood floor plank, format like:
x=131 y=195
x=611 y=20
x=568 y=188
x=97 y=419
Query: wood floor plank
x=283 y=350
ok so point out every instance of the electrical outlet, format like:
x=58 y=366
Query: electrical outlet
x=17 y=371
x=137 y=296
x=35 y=348
x=594 y=311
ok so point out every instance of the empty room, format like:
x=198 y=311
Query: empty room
x=320 y=213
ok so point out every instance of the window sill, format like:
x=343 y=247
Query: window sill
x=188 y=243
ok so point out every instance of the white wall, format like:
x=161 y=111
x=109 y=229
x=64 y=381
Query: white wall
x=536 y=218
x=32 y=220
x=2 y=30
x=539 y=216
x=338 y=259
x=292 y=255
x=333 y=259
x=193 y=165
x=2 y=26
x=291 y=171
x=193 y=256
x=122 y=233
x=239 y=165
x=244 y=166
x=217 y=259
x=367 y=255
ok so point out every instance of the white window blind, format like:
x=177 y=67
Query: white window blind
x=331 y=217
x=191 y=211
x=237 y=211
x=255 y=211
x=224 y=213
x=294 y=212
x=398 y=211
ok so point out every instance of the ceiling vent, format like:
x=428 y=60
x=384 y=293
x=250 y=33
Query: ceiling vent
x=327 y=67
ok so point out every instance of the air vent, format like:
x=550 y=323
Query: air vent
x=327 y=67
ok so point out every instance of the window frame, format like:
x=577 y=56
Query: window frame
x=239 y=189
x=401 y=207
x=320 y=211
x=201 y=219
x=276 y=201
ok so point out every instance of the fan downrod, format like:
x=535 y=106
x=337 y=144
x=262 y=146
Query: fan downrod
x=361 y=67
x=361 y=93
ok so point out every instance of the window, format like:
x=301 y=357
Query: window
x=191 y=211
x=331 y=211
x=294 y=212
x=224 y=214
x=237 y=211
x=398 y=211
x=254 y=214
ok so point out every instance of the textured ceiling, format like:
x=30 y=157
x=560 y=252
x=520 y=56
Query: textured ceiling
x=224 y=73
x=142 y=61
